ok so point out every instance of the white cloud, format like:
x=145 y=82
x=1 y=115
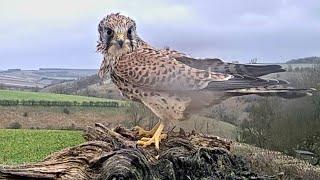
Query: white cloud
x=37 y=18
x=74 y=11
x=44 y=30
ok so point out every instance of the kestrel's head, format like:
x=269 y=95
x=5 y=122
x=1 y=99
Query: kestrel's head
x=118 y=35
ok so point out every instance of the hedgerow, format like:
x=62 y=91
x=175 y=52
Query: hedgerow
x=58 y=103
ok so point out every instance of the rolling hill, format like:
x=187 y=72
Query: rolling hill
x=28 y=79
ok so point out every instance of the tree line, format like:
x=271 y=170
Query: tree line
x=59 y=103
x=287 y=125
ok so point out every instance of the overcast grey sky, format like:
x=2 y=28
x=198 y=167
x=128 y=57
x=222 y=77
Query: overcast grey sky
x=63 y=33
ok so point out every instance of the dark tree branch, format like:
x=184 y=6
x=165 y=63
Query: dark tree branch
x=112 y=154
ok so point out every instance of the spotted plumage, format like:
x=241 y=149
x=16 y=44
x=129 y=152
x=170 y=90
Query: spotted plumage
x=170 y=83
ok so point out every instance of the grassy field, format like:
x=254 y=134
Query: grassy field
x=55 y=117
x=37 y=96
x=22 y=146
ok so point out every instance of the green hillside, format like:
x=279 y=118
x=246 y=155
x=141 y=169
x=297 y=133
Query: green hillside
x=39 y=96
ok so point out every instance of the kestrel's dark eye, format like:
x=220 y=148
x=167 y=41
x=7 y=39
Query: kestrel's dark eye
x=129 y=31
x=109 y=31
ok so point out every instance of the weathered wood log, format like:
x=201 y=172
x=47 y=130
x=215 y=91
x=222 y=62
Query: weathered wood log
x=113 y=154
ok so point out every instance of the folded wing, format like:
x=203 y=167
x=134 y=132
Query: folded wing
x=154 y=69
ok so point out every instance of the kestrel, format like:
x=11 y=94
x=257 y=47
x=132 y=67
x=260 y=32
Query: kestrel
x=172 y=85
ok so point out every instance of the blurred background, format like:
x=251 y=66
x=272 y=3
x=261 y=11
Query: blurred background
x=48 y=67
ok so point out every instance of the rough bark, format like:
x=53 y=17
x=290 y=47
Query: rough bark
x=113 y=154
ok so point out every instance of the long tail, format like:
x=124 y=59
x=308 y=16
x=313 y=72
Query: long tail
x=288 y=93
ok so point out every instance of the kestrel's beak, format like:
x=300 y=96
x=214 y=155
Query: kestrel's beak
x=120 y=39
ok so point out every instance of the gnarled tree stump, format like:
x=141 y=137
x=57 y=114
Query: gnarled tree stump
x=113 y=154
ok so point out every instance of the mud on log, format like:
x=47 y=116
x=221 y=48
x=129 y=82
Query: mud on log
x=113 y=154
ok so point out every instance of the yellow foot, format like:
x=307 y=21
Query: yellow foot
x=155 y=139
x=162 y=136
x=142 y=132
x=145 y=141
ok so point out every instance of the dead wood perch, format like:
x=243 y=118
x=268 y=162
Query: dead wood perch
x=112 y=154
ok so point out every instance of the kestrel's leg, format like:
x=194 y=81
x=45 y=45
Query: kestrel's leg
x=146 y=133
x=156 y=138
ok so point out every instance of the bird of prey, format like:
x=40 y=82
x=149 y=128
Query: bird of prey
x=171 y=84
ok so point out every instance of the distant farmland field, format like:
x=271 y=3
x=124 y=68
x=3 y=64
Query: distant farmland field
x=55 y=117
x=39 y=96
x=57 y=111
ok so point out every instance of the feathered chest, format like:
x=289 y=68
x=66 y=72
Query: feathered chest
x=114 y=72
x=126 y=88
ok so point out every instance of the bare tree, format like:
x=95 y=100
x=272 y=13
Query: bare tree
x=140 y=115
x=253 y=61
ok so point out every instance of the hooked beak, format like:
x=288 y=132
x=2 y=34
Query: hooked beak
x=120 y=43
x=120 y=39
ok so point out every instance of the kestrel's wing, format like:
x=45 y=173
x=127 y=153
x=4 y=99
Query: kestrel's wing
x=218 y=65
x=150 y=68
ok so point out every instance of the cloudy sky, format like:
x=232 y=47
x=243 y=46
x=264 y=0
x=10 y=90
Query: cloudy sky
x=63 y=33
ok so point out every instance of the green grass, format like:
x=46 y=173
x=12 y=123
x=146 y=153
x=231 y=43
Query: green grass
x=25 y=146
x=38 y=96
